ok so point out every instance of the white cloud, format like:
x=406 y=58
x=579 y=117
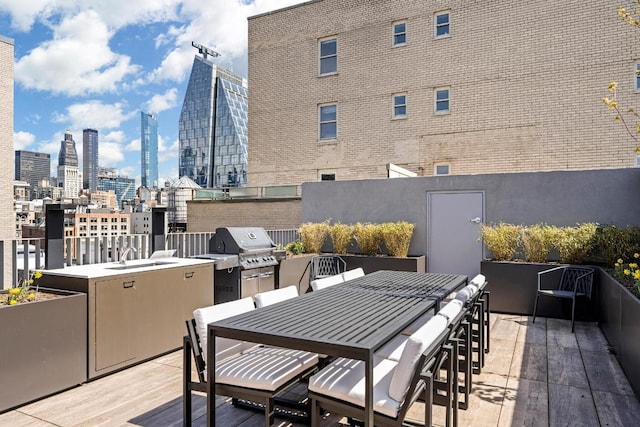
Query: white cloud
x=110 y=154
x=162 y=102
x=22 y=140
x=114 y=136
x=134 y=145
x=77 y=61
x=167 y=153
x=94 y=115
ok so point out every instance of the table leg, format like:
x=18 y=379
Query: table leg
x=211 y=377
x=368 y=397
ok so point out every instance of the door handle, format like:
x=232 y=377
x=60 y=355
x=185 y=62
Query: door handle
x=476 y=220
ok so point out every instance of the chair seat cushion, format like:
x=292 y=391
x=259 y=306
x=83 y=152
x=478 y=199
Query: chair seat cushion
x=560 y=293
x=394 y=348
x=264 y=368
x=343 y=379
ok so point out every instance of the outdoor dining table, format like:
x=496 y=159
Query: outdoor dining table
x=352 y=320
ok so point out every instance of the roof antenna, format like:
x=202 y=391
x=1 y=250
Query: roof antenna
x=204 y=50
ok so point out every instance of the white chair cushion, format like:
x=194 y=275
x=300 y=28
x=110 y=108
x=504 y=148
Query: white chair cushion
x=478 y=280
x=466 y=293
x=451 y=310
x=271 y=297
x=353 y=274
x=413 y=349
x=325 y=282
x=265 y=368
x=225 y=347
x=394 y=348
x=343 y=379
x=417 y=324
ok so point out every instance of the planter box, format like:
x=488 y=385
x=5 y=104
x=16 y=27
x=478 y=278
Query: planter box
x=513 y=287
x=619 y=315
x=44 y=347
x=374 y=263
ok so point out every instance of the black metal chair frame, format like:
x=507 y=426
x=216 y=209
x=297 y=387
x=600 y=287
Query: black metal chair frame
x=320 y=266
x=256 y=399
x=576 y=281
x=426 y=383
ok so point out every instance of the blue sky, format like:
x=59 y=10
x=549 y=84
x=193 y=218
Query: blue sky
x=96 y=64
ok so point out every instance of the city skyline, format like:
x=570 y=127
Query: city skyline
x=95 y=65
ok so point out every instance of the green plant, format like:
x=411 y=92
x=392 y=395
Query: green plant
x=501 y=239
x=575 y=243
x=23 y=292
x=341 y=235
x=313 y=235
x=296 y=247
x=629 y=271
x=537 y=241
x=369 y=237
x=397 y=237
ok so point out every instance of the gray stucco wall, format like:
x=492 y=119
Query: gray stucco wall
x=558 y=198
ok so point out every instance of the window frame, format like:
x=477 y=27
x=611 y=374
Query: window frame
x=321 y=57
x=436 y=26
x=394 y=33
x=637 y=77
x=320 y=122
x=441 y=164
x=395 y=106
x=436 y=101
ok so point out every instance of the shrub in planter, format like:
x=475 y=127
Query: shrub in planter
x=612 y=243
x=313 y=235
x=369 y=237
x=537 y=242
x=575 y=243
x=341 y=236
x=502 y=240
x=295 y=247
x=397 y=237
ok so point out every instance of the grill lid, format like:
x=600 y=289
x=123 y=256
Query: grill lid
x=236 y=240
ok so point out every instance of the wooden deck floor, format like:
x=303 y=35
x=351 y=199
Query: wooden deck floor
x=536 y=375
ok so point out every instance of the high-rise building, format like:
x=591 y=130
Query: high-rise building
x=125 y=188
x=148 y=149
x=68 y=173
x=32 y=167
x=213 y=126
x=90 y=159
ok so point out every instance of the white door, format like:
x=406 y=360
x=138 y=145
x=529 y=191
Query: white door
x=453 y=232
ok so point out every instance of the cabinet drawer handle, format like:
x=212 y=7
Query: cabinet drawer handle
x=188 y=275
x=128 y=284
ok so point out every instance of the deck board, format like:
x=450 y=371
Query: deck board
x=513 y=389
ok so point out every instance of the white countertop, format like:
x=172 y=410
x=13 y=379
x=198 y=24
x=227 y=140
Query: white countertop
x=90 y=271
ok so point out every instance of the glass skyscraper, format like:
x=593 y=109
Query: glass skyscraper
x=90 y=159
x=32 y=167
x=213 y=127
x=148 y=149
x=123 y=187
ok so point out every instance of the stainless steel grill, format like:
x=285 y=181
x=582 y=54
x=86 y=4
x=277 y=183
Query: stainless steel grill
x=246 y=262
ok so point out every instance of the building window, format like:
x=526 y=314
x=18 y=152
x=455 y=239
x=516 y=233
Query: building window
x=328 y=177
x=441 y=100
x=400 y=33
x=328 y=121
x=328 y=56
x=441 y=169
x=400 y=106
x=442 y=25
x=638 y=77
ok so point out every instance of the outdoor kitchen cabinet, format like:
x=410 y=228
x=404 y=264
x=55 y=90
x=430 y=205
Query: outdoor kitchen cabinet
x=135 y=316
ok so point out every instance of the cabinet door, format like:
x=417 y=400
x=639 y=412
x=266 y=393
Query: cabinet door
x=158 y=312
x=114 y=324
x=197 y=289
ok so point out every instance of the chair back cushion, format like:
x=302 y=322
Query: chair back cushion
x=271 y=297
x=466 y=293
x=353 y=274
x=326 y=282
x=225 y=347
x=451 y=310
x=479 y=280
x=413 y=349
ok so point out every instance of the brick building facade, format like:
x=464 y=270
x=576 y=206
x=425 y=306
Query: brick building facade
x=341 y=88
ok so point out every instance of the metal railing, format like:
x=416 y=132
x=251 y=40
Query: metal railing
x=28 y=254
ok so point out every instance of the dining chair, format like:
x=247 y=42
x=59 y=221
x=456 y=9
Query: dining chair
x=326 y=282
x=266 y=298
